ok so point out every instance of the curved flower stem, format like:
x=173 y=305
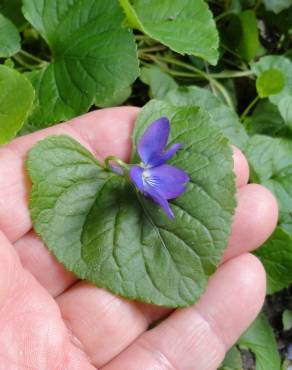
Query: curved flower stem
x=32 y=57
x=111 y=158
x=249 y=107
x=198 y=72
x=21 y=62
x=222 y=15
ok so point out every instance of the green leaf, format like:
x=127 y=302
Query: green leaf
x=160 y=82
x=276 y=256
x=266 y=119
x=271 y=163
x=11 y=9
x=16 y=98
x=270 y=82
x=242 y=36
x=118 y=98
x=132 y=18
x=287 y=320
x=185 y=26
x=283 y=66
x=9 y=38
x=224 y=117
x=105 y=232
x=260 y=339
x=232 y=360
x=93 y=56
x=277 y=6
x=285 y=108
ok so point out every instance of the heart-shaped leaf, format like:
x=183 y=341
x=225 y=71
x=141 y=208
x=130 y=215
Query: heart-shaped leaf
x=9 y=38
x=93 y=56
x=103 y=230
x=185 y=26
x=160 y=83
x=270 y=82
x=279 y=66
x=285 y=108
x=276 y=256
x=271 y=163
x=16 y=98
x=260 y=339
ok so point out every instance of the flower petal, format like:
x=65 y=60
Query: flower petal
x=153 y=141
x=168 y=154
x=160 y=200
x=169 y=181
x=135 y=174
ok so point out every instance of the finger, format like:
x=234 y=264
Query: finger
x=36 y=258
x=197 y=337
x=32 y=334
x=103 y=132
x=255 y=219
x=104 y=323
x=240 y=167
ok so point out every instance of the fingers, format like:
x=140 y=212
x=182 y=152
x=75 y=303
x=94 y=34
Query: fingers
x=9 y=269
x=240 y=167
x=105 y=324
x=255 y=219
x=196 y=338
x=32 y=334
x=103 y=132
x=36 y=258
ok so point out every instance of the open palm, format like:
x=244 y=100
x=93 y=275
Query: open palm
x=50 y=321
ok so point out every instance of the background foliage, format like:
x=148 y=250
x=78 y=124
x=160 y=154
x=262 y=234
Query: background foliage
x=233 y=58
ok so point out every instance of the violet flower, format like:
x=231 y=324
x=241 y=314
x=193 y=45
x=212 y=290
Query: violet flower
x=153 y=177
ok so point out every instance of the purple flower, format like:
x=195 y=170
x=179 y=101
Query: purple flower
x=153 y=177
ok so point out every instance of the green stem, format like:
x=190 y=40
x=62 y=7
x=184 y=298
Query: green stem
x=19 y=60
x=32 y=57
x=258 y=3
x=211 y=77
x=203 y=74
x=222 y=15
x=152 y=48
x=232 y=74
x=181 y=74
x=249 y=107
x=112 y=158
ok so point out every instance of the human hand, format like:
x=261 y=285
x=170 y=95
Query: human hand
x=49 y=321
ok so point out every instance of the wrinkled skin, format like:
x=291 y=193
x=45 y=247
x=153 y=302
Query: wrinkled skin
x=50 y=321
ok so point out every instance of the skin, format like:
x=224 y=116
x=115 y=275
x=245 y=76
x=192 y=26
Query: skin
x=50 y=321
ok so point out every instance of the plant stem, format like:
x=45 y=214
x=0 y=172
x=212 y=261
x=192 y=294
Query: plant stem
x=198 y=72
x=152 y=48
x=19 y=60
x=111 y=158
x=232 y=74
x=249 y=107
x=258 y=3
x=32 y=57
x=222 y=15
x=143 y=38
